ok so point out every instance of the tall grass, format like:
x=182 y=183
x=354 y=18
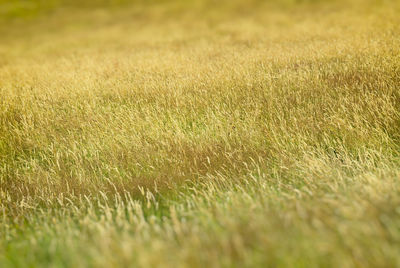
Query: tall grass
x=186 y=134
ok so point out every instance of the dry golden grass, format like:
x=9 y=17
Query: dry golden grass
x=194 y=133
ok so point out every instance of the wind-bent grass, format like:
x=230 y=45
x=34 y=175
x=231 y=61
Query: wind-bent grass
x=193 y=133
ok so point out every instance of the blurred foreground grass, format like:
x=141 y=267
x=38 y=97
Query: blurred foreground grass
x=194 y=133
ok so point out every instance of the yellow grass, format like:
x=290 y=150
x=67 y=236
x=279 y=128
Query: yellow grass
x=200 y=133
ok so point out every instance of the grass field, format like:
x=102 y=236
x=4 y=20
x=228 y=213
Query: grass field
x=199 y=133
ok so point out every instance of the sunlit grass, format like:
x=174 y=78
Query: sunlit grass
x=191 y=134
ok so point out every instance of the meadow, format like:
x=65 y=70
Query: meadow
x=199 y=133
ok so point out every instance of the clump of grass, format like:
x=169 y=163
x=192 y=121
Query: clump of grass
x=165 y=134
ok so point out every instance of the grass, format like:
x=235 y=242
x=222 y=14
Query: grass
x=199 y=133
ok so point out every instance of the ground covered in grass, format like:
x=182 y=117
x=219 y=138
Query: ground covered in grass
x=199 y=133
